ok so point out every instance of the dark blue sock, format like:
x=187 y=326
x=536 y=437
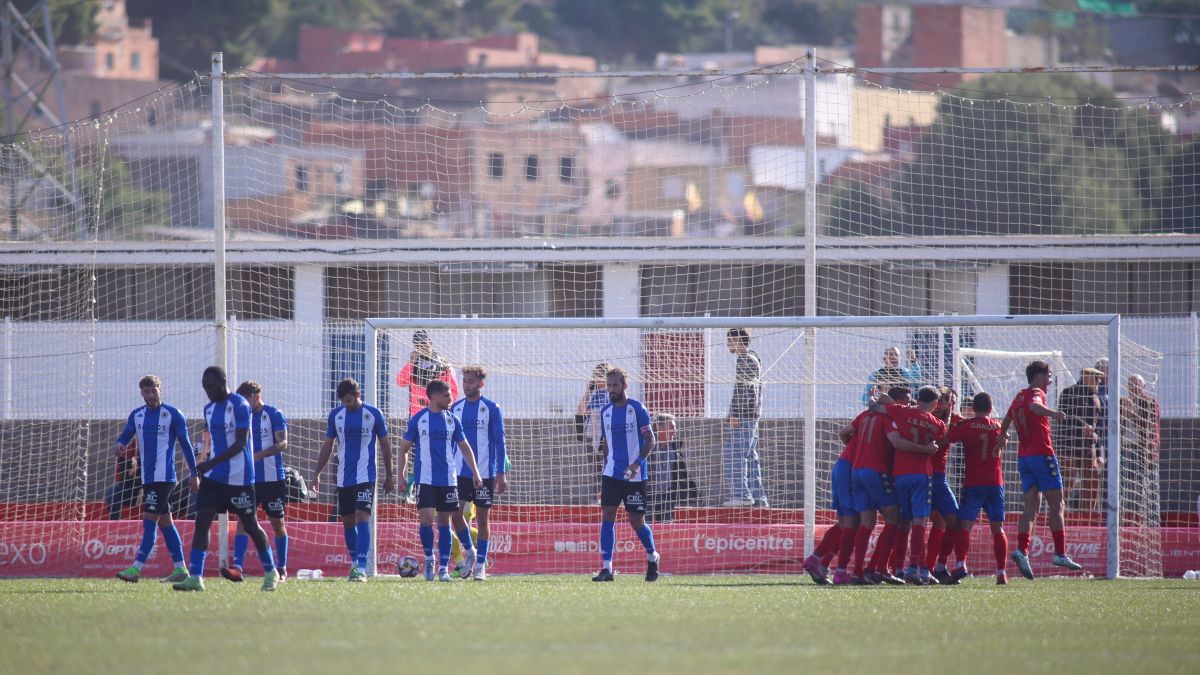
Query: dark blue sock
x=647 y=538
x=464 y=538
x=196 y=566
x=174 y=544
x=351 y=543
x=363 y=534
x=481 y=549
x=281 y=551
x=444 y=545
x=265 y=557
x=240 y=543
x=608 y=539
x=427 y=540
x=149 y=532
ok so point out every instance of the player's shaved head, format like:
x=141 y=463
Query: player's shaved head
x=928 y=394
x=213 y=372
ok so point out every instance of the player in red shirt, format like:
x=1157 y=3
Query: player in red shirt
x=839 y=538
x=1038 y=465
x=983 y=484
x=943 y=518
x=912 y=472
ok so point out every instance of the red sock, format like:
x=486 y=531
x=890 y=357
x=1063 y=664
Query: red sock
x=934 y=546
x=883 y=548
x=1000 y=547
x=846 y=549
x=900 y=550
x=833 y=536
x=918 y=545
x=1060 y=541
x=862 y=539
x=1023 y=542
x=949 y=540
x=962 y=545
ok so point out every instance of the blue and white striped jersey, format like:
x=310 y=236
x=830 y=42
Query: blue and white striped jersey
x=623 y=427
x=262 y=432
x=223 y=420
x=156 y=430
x=356 y=432
x=435 y=438
x=483 y=425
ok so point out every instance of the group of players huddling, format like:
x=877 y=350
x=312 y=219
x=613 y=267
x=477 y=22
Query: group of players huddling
x=459 y=457
x=894 y=464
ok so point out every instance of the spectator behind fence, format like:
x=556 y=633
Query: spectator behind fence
x=1075 y=437
x=1140 y=414
x=892 y=375
x=740 y=457
x=127 y=482
x=424 y=366
x=670 y=483
x=587 y=422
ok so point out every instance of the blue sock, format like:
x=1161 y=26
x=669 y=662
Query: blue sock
x=427 y=540
x=149 y=532
x=174 y=544
x=351 y=543
x=281 y=551
x=444 y=545
x=464 y=538
x=265 y=557
x=240 y=543
x=481 y=549
x=647 y=538
x=196 y=567
x=608 y=539
x=363 y=531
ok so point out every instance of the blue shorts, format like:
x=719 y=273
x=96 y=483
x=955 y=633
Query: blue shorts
x=915 y=492
x=1040 y=471
x=843 y=489
x=873 y=490
x=990 y=498
x=943 y=498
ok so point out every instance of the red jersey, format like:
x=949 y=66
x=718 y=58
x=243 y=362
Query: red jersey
x=851 y=448
x=873 y=450
x=417 y=401
x=919 y=427
x=938 y=461
x=981 y=455
x=1033 y=431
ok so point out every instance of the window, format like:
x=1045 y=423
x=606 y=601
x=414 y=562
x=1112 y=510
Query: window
x=135 y=61
x=672 y=187
x=495 y=165
x=109 y=62
x=566 y=169
x=301 y=179
x=532 y=168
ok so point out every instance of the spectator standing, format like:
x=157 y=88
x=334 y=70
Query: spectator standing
x=1101 y=433
x=424 y=366
x=1140 y=414
x=669 y=479
x=740 y=457
x=127 y=482
x=1075 y=437
x=892 y=375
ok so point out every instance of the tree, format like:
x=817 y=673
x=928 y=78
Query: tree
x=622 y=30
x=1019 y=164
x=1181 y=202
x=858 y=211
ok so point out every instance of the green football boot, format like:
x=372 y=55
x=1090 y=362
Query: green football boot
x=271 y=580
x=194 y=582
x=180 y=574
x=131 y=575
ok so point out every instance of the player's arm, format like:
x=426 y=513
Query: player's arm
x=846 y=433
x=121 y=449
x=501 y=445
x=1042 y=411
x=389 y=481
x=280 y=446
x=637 y=464
x=322 y=460
x=901 y=443
x=405 y=447
x=469 y=458
x=879 y=403
x=205 y=446
x=239 y=444
x=582 y=409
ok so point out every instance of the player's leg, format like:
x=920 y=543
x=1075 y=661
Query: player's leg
x=248 y=515
x=427 y=517
x=447 y=513
x=210 y=497
x=635 y=506
x=948 y=539
x=1058 y=532
x=151 y=510
x=241 y=542
x=612 y=494
x=174 y=546
x=462 y=528
x=272 y=496
x=862 y=539
x=1032 y=505
x=349 y=517
x=483 y=539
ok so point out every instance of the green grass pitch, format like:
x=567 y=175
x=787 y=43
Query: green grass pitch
x=566 y=624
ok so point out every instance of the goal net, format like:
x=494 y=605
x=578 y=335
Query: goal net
x=746 y=195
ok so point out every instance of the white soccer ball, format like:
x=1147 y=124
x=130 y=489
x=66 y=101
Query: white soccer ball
x=1190 y=574
x=408 y=566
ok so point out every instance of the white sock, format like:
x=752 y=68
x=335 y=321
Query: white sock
x=608 y=565
x=1000 y=573
x=137 y=564
x=841 y=570
x=961 y=565
x=652 y=557
x=940 y=567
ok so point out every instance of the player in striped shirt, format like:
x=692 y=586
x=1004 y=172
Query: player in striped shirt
x=483 y=425
x=156 y=427
x=626 y=427
x=356 y=427
x=1038 y=466
x=983 y=484
x=228 y=482
x=268 y=436
x=434 y=433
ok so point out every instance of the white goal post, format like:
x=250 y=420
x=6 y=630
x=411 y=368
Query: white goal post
x=816 y=325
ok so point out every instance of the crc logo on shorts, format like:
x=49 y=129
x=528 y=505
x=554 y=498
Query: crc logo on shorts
x=635 y=498
x=242 y=500
x=365 y=495
x=275 y=504
x=483 y=493
x=150 y=499
x=452 y=497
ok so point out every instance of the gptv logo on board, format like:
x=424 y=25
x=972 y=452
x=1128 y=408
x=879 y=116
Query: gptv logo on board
x=98 y=548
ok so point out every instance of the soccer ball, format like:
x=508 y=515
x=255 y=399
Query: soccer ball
x=408 y=566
